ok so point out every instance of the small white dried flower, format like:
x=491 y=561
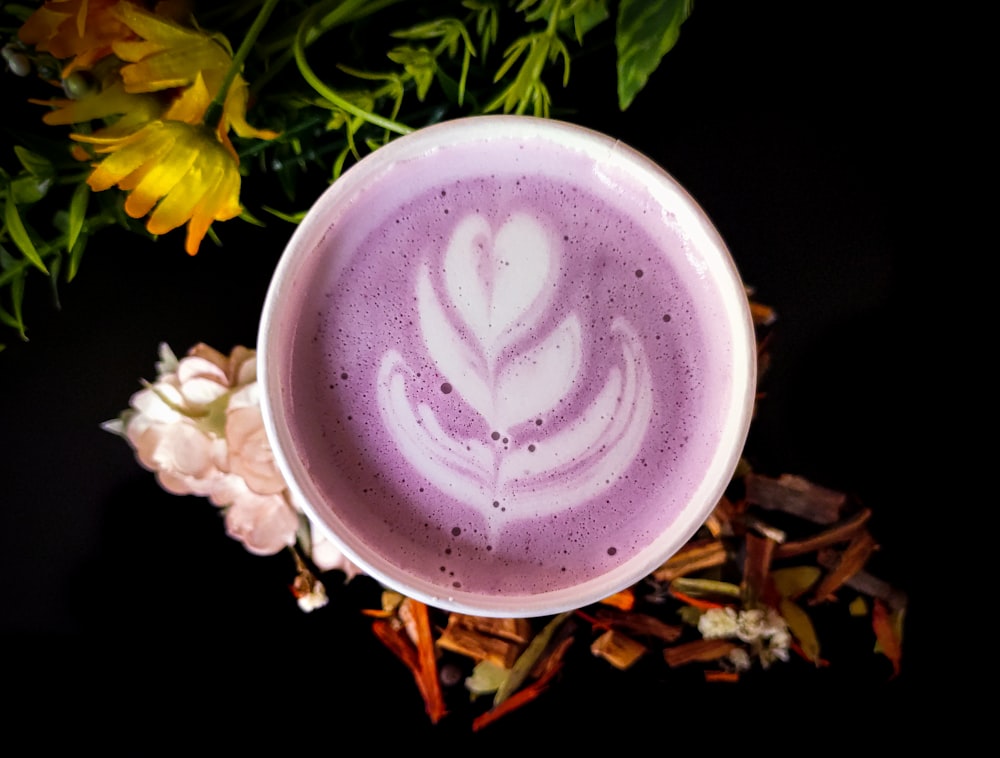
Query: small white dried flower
x=740 y=659
x=717 y=623
x=317 y=598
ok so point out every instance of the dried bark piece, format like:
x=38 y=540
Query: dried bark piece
x=724 y=517
x=638 y=624
x=510 y=629
x=896 y=599
x=695 y=556
x=698 y=651
x=552 y=660
x=427 y=679
x=419 y=657
x=520 y=698
x=841 y=532
x=721 y=676
x=851 y=561
x=623 y=600
x=762 y=315
x=617 y=649
x=756 y=566
x=797 y=496
x=391 y=634
x=888 y=633
x=472 y=641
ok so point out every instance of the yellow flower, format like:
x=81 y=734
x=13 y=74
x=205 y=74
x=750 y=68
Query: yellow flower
x=130 y=111
x=181 y=172
x=168 y=55
x=79 y=29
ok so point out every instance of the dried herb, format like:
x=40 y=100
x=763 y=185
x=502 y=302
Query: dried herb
x=742 y=592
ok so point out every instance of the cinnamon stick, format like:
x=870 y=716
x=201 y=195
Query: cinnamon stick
x=695 y=556
x=841 y=532
x=698 y=651
x=851 y=561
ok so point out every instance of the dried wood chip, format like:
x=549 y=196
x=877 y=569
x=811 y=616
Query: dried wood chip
x=849 y=563
x=511 y=629
x=841 y=532
x=698 y=651
x=638 y=624
x=722 y=521
x=468 y=641
x=756 y=566
x=797 y=496
x=695 y=556
x=617 y=649
x=866 y=583
x=624 y=600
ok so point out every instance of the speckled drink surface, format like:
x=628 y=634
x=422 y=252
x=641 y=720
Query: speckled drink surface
x=507 y=370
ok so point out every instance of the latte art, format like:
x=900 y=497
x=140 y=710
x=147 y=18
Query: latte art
x=485 y=334
x=509 y=371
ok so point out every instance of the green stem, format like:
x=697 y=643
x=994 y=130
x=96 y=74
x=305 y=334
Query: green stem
x=214 y=111
x=342 y=14
x=317 y=84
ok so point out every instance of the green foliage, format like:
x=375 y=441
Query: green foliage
x=337 y=79
x=646 y=31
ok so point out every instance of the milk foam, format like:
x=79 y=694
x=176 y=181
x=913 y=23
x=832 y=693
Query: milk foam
x=507 y=379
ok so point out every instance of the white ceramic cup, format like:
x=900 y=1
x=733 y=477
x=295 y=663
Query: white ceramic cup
x=508 y=365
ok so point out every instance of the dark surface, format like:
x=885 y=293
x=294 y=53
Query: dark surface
x=791 y=126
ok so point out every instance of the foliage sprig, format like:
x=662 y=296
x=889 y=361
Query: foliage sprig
x=388 y=67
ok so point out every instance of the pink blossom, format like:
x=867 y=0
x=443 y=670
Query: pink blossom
x=328 y=557
x=200 y=429
x=265 y=524
x=250 y=454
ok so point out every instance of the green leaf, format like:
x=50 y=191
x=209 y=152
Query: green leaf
x=15 y=227
x=29 y=188
x=526 y=661
x=22 y=12
x=77 y=213
x=487 y=677
x=705 y=588
x=801 y=627
x=792 y=581
x=590 y=14
x=16 y=320
x=75 y=255
x=35 y=164
x=54 y=282
x=645 y=32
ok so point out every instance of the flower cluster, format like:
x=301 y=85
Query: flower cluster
x=149 y=80
x=763 y=630
x=199 y=428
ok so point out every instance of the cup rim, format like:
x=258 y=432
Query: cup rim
x=297 y=252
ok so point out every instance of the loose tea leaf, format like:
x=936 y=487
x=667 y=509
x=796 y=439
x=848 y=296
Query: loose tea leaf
x=522 y=667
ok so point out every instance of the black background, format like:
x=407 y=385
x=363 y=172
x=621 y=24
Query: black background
x=793 y=125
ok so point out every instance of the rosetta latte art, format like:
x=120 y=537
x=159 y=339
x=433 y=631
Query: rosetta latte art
x=481 y=306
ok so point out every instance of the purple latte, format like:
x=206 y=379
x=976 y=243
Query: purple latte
x=508 y=367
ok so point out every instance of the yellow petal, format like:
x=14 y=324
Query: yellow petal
x=219 y=204
x=128 y=156
x=191 y=105
x=160 y=180
x=111 y=101
x=169 y=56
x=42 y=26
x=235 y=109
x=177 y=207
